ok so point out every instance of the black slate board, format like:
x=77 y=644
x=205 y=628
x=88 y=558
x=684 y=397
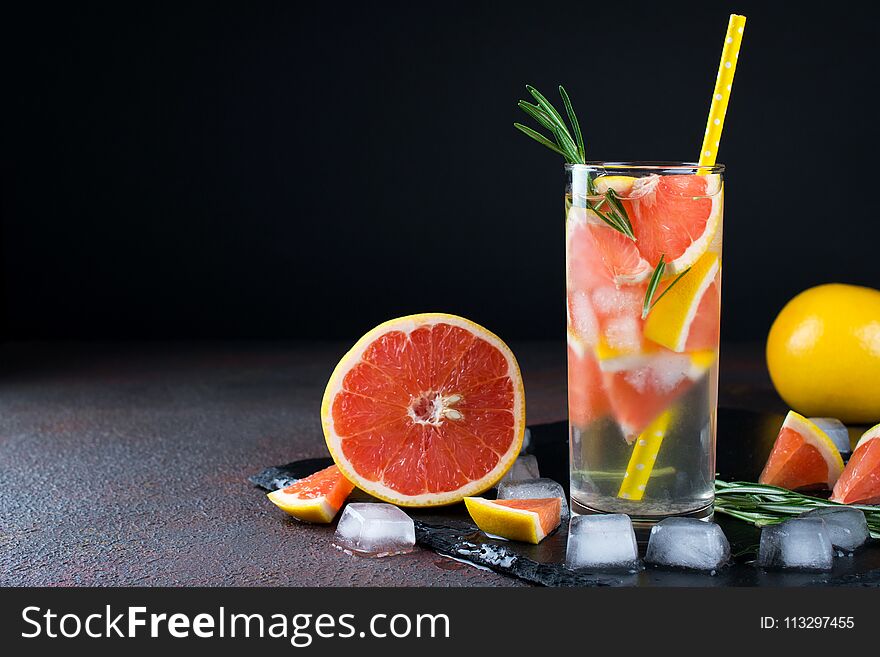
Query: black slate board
x=744 y=440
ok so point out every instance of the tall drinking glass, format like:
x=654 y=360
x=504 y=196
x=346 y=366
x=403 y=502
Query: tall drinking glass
x=643 y=283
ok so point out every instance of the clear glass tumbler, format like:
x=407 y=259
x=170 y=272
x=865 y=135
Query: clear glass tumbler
x=643 y=283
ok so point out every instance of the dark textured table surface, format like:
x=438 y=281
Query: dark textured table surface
x=127 y=464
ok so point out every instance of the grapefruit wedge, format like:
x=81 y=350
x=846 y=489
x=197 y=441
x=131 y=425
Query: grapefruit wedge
x=860 y=481
x=425 y=410
x=528 y=521
x=316 y=498
x=803 y=457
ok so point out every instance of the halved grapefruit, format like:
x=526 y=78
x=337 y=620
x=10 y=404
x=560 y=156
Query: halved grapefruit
x=803 y=457
x=860 y=481
x=316 y=498
x=425 y=410
x=519 y=520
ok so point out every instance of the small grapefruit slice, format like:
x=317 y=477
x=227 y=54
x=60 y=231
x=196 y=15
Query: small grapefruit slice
x=860 y=481
x=597 y=253
x=675 y=216
x=670 y=320
x=641 y=386
x=587 y=400
x=803 y=457
x=528 y=521
x=316 y=498
x=425 y=410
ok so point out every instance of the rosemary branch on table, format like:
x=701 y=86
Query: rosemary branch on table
x=763 y=505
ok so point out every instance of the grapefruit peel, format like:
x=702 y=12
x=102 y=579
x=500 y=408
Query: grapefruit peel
x=529 y=521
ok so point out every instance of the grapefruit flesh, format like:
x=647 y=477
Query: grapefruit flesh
x=705 y=329
x=425 y=410
x=645 y=388
x=598 y=254
x=860 y=481
x=803 y=457
x=675 y=216
x=529 y=520
x=316 y=498
x=587 y=400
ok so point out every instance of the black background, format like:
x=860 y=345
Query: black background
x=279 y=170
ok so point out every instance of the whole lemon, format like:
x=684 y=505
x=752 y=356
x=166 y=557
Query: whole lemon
x=823 y=353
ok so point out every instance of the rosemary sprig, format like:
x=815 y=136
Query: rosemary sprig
x=763 y=505
x=571 y=147
x=653 y=282
x=616 y=215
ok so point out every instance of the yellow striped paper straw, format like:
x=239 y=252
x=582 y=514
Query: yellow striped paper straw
x=647 y=446
x=723 y=85
x=641 y=461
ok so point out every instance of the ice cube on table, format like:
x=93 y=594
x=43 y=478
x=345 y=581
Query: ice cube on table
x=836 y=430
x=527 y=440
x=375 y=530
x=525 y=467
x=532 y=489
x=688 y=543
x=602 y=542
x=847 y=527
x=796 y=544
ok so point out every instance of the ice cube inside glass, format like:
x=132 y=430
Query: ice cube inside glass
x=796 y=544
x=602 y=542
x=376 y=530
x=688 y=543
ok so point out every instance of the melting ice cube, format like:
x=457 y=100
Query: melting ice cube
x=847 y=527
x=796 y=544
x=688 y=543
x=527 y=441
x=836 y=430
x=525 y=467
x=530 y=489
x=602 y=542
x=375 y=530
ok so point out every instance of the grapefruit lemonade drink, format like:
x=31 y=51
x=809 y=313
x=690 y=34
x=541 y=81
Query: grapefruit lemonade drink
x=643 y=283
x=643 y=286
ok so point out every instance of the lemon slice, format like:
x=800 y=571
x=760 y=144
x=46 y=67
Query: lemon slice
x=518 y=520
x=620 y=184
x=670 y=319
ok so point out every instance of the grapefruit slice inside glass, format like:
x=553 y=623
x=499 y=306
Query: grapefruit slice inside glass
x=425 y=410
x=675 y=216
x=587 y=400
x=860 y=481
x=316 y=498
x=803 y=457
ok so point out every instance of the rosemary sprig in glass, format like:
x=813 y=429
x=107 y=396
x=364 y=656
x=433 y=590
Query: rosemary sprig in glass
x=763 y=505
x=654 y=281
